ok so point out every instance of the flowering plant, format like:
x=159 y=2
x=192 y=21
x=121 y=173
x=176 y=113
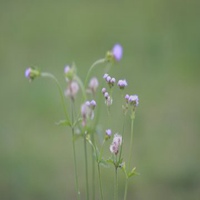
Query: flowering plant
x=86 y=126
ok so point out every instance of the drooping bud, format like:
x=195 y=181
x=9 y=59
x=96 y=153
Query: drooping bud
x=69 y=73
x=31 y=73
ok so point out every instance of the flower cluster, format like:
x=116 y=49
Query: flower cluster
x=72 y=86
x=110 y=80
x=87 y=111
x=122 y=84
x=132 y=99
x=116 y=143
x=108 y=98
x=81 y=122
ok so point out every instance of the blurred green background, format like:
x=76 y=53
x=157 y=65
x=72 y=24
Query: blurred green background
x=161 y=40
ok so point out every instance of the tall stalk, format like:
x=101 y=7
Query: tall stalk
x=86 y=168
x=100 y=183
x=130 y=154
x=74 y=154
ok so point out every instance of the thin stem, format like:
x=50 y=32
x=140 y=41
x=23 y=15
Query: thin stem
x=46 y=74
x=93 y=168
x=82 y=87
x=100 y=184
x=130 y=155
x=131 y=143
x=86 y=168
x=74 y=154
x=91 y=68
x=126 y=188
x=116 y=184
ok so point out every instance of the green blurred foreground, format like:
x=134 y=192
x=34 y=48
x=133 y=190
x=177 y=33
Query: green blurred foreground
x=161 y=64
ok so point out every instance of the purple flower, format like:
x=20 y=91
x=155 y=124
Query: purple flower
x=93 y=85
x=72 y=89
x=108 y=78
x=28 y=73
x=127 y=97
x=117 y=52
x=93 y=104
x=116 y=143
x=87 y=111
x=31 y=73
x=105 y=76
x=133 y=100
x=122 y=84
x=103 y=90
x=67 y=69
x=108 y=132
x=112 y=81
x=106 y=95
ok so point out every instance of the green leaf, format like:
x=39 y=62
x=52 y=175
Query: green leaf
x=63 y=123
x=76 y=122
x=110 y=160
x=104 y=163
x=132 y=173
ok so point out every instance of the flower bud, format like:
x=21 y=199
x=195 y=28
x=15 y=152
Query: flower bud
x=93 y=84
x=134 y=100
x=122 y=84
x=72 y=89
x=31 y=73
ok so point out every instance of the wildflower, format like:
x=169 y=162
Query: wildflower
x=106 y=95
x=93 y=104
x=31 y=73
x=108 y=101
x=69 y=73
x=134 y=100
x=108 y=132
x=127 y=97
x=117 y=52
x=72 y=89
x=87 y=111
x=105 y=76
x=103 y=90
x=122 y=84
x=116 y=143
x=110 y=80
x=93 y=85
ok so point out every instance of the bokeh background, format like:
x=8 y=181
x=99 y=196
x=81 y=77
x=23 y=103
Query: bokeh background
x=161 y=61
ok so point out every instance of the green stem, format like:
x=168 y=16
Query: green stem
x=74 y=154
x=131 y=143
x=126 y=188
x=130 y=155
x=100 y=183
x=46 y=74
x=116 y=184
x=82 y=87
x=93 y=168
x=86 y=168
x=91 y=68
